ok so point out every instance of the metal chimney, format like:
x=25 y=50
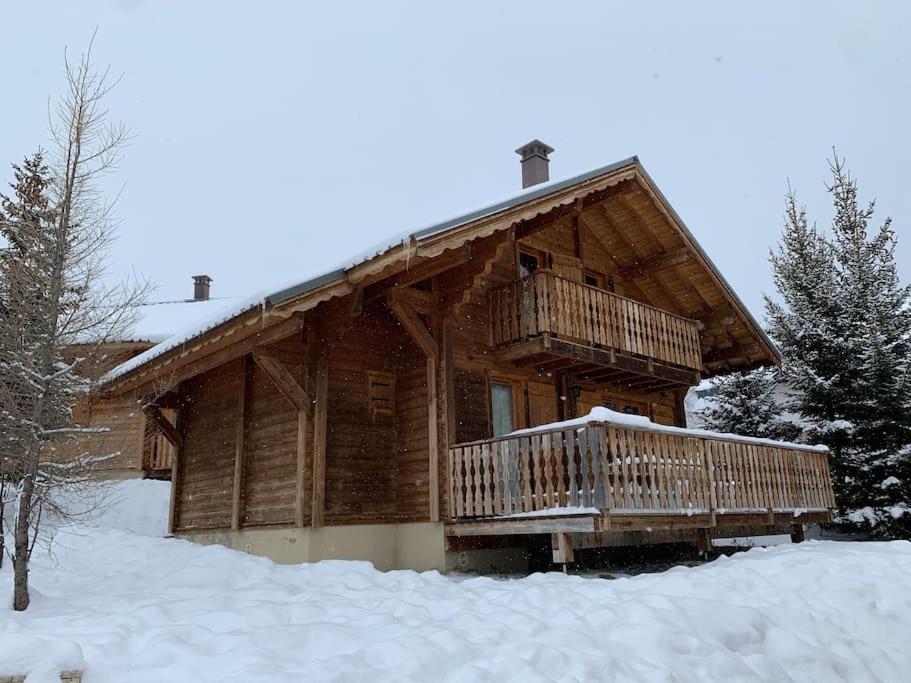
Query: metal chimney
x=201 y=286
x=534 y=163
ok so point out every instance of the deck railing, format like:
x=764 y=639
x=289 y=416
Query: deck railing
x=634 y=470
x=547 y=303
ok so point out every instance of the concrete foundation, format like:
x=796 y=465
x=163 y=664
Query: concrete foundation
x=417 y=546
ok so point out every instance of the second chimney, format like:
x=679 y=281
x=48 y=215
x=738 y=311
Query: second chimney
x=201 y=285
x=534 y=163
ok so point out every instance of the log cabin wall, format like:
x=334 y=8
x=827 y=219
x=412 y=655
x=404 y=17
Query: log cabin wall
x=376 y=464
x=205 y=470
x=270 y=449
x=412 y=464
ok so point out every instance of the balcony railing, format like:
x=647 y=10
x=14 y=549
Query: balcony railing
x=547 y=303
x=623 y=469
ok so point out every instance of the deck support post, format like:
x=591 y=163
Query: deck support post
x=703 y=541
x=797 y=534
x=561 y=545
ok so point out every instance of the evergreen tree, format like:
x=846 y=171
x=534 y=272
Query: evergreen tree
x=750 y=403
x=844 y=328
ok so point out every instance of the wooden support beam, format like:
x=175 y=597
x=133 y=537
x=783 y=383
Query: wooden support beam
x=432 y=440
x=447 y=401
x=176 y=466
x=650 y=265
x=562 y=546
x=637 y=366
x=169 y=431
x=531 y=525
x=239 y=444
x=281 y=330
x=413 y=325
x=301 y=467
x=426 y=269
x=421 y=301
x=577 y=226
x=284 y=381
x=318 y=498
x=724 y=355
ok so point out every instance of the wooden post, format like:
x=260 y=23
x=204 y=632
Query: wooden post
x=703 y=541
x=240 y=433
x=299 y=511
x=432 y=440
x=562 y=547
x=318 y=499
x=446 y=405
x=176 y=462
x=797 y=534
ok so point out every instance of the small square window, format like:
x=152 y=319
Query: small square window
x=528 y=263
x=594 y=279
x=381 y=393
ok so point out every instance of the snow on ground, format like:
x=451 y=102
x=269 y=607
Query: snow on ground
x=145 y=609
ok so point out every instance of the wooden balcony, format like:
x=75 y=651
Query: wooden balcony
x=545 y=316
x=605 y=476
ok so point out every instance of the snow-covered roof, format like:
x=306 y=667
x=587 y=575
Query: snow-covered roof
x=277 y=295
x=161 y=320
x=599 y=414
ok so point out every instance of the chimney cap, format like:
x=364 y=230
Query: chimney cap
x=534 y=148
x=202 y=279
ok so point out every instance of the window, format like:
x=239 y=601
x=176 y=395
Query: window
x=594 y=279
x=502 y=411
x=628 y=406
x=528 y=263
x=381 y=393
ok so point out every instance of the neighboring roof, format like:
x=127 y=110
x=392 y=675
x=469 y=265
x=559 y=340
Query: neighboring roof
x=277 y=296
x=161 y=320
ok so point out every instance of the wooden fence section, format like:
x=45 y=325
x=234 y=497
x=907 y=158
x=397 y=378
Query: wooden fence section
x=630 y=470
x=547 y=303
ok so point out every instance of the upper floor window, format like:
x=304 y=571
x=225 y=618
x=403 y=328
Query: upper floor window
x=528 y=263
x=594 y=279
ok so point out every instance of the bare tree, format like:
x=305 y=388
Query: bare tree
x=58 y=309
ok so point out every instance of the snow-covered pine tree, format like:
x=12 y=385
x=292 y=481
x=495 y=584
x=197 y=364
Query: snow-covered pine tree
x=58 y=311
x=844 y=327
x=752 y=403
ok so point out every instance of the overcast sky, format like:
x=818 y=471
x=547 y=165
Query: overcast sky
x=273 y=140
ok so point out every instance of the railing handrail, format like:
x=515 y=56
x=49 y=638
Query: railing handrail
x=543 y=272
x=615 y=467
x=654 y=429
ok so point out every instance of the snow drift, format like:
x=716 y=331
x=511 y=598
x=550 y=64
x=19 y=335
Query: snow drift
x=149 y=609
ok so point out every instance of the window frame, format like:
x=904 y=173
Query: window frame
x=519 y=404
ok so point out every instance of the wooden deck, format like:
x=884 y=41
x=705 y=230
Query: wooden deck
x=600 y=477
x=547 y=304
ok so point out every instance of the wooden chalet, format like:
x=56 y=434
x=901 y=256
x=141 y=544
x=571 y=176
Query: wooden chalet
x=369 y=413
